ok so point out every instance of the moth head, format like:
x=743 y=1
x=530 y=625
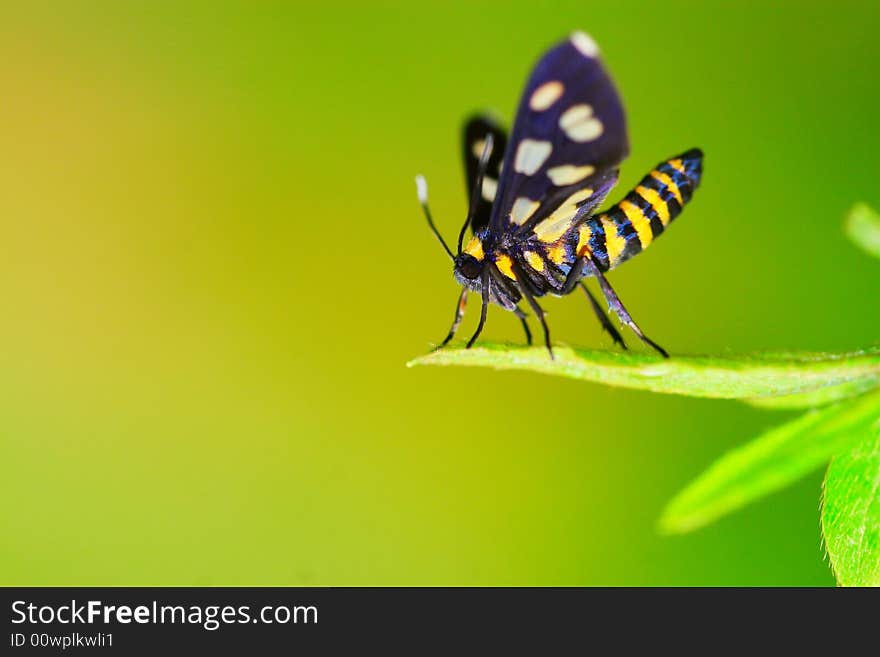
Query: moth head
x=467 y=267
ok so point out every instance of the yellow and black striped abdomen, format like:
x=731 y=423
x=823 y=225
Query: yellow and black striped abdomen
x=615 y=236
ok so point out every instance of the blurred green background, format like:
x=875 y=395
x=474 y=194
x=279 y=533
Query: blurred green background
x=213 y=269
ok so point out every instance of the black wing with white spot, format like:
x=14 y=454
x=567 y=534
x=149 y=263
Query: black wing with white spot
x=474 y=138
x=567 y=140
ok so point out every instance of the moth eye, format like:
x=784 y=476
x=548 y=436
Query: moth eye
x=469 y=267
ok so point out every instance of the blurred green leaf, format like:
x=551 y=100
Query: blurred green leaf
x=863 y=227
x=752 y=377
x=816 y=398
x=851 y=511
x=775 y=459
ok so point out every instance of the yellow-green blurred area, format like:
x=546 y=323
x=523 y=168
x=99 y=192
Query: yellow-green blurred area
x=213 y=268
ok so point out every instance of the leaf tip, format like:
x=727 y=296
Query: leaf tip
x=673 y=522
x=433 y=357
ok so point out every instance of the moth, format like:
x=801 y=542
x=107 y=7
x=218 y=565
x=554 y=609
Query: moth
x=534 y=196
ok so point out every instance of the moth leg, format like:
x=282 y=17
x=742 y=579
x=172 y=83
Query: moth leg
x=575 y=274
x=615 y=305
x=603 y=318
x=507 y=288
x=539 y=312
x=483 y=310
x=459 y=313
x=522 y=317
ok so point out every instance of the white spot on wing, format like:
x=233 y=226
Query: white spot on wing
x=523 y=208
x=579 y=123
x=530 y=155
x=490 y=186
x=568 y=174
x=585 y=44
x=554 y=226
x=477 y=148
x=545 y=95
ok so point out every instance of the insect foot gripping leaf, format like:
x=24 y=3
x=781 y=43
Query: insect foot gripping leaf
x=851 y=511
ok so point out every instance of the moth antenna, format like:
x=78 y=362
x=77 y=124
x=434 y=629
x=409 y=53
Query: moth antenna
x=478 y=187
x=422 y=191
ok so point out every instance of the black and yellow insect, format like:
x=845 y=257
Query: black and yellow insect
x=533 y=200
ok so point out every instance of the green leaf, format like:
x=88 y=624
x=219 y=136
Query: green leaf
x=851 y=512
x=820 y=397
x=775 y=459
x=863 y=227
x=748 y=377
